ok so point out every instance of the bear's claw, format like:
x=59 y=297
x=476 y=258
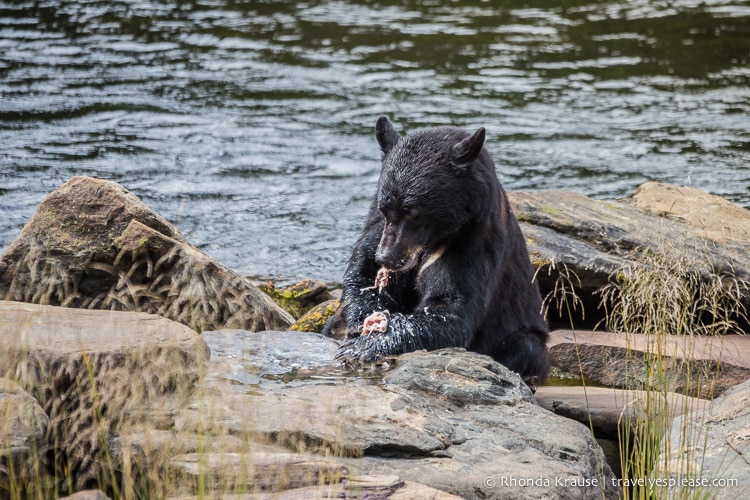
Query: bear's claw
x=357 y=351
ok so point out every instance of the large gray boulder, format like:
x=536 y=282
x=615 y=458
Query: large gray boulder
x=454 y=420
x=93 y=244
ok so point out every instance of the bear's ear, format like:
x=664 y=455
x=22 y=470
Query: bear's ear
x=467 y=150
x=386 y=135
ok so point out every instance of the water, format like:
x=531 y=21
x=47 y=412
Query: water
x=250 y=124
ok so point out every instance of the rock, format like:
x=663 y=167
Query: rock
x=454 y=420
x=699 y=366
x=367 y=487
x=23 y=430
x=606 y=410
x=706 y=452
x=87 y=495
x=24 y=423
x=415 y=491
x=256 y=472
x=298 y=298
x=370 y=487
x=711 y=216
x=92 y=244
x=315 y=319
x=583 y=243
x=273 y=414
x=93 y=373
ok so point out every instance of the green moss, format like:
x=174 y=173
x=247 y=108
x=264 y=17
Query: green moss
x=551 y=210
x=315 y=318
x=296 y=299
x=538 y=260
x=289 y=300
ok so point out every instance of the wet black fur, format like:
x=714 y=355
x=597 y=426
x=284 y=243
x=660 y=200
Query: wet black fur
x=438 y=190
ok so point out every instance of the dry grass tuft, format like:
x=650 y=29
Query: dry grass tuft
x=664 y=297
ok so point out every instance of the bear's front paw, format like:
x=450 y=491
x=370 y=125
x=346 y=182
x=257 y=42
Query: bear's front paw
x=359 y=351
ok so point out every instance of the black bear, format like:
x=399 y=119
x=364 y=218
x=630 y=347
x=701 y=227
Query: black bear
x=441 y=261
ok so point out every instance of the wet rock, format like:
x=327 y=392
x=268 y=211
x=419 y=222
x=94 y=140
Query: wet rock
x=698 y=366
x=93 y=373
x=92 y=244
x=451 y=419
x=242 y=359
x=708 y=450
x=582 y=242
x=299 y=298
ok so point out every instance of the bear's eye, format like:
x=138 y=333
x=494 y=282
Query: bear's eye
x=409 y=213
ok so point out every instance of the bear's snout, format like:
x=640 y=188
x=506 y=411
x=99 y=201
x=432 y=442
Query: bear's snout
x=394 y=252
x=389 y=259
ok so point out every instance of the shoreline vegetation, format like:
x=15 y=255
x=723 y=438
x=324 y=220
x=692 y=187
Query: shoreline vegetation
x=648 y=296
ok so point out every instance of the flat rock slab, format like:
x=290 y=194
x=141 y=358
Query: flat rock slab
x=730 y=349
x=50 y=331
x=714 y=363
x=80 y=366
x=454 y=420
x=257 y=471
x=608 y=410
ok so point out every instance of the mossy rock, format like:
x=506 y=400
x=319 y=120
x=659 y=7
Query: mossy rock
x=315 y=318
x=298 y=298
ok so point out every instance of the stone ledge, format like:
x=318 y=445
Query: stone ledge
x=700 y=366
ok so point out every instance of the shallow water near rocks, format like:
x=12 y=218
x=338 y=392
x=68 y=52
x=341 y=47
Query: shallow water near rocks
x=250 y=125
x=246 y=360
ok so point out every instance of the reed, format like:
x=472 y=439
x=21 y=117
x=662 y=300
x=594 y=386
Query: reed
x=668 y=296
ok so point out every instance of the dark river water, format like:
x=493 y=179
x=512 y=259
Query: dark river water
x=249 y=124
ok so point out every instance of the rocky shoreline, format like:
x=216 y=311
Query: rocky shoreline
x=132 y=358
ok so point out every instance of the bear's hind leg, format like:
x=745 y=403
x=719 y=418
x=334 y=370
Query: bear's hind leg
x=526 y=354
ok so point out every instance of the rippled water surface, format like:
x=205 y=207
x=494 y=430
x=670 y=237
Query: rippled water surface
x=249 y=124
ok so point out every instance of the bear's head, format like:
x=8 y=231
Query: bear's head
x=433 y=183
